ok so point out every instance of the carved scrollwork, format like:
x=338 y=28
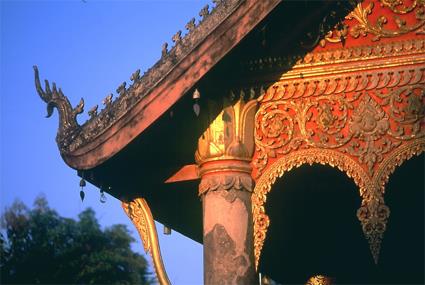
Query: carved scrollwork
x=398 y=6
x=364 y=26
x=54 y=98
x=364 y=125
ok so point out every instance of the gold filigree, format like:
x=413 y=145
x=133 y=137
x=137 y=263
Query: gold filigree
x=364 y=26
x=356 y=129
x=397 y=6
x=140 y=214
x=308 y=94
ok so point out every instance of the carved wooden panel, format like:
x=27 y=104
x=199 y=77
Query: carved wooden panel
x=358 y=107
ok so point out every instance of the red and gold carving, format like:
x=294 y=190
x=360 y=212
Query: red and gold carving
x=365 y=130
x=360 y=109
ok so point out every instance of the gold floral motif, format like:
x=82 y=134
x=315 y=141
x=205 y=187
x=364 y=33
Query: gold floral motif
x=369 y=123
x=397 y=6
x=140 y=214
x=364 y=26
x=365 y=131
x=314 y=94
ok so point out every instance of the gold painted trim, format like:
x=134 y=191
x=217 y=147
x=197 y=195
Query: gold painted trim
x=140 y=214
x=385 y=63
x=344 y=56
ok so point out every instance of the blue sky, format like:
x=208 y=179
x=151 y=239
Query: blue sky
x=87 y=48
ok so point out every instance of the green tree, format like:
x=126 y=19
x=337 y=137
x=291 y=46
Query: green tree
x=40 y=247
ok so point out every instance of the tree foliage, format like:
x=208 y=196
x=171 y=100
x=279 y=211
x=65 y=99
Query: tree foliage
x=39 y=246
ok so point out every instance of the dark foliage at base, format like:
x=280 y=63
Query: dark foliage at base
x=40 y=247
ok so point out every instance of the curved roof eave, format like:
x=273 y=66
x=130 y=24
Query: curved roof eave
x=106 y=133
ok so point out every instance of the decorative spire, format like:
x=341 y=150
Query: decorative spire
x=164 y=49
x=204 y=11
x=177 y=37
x=108 y=99
x=93 y=112
x=54 y=98
x=135 y=76
x=121 y=89
x=190 y=25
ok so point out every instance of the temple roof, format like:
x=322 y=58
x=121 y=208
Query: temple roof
x=151 y=94
x=149 y=133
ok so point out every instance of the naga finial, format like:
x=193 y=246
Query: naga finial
x=54 y=98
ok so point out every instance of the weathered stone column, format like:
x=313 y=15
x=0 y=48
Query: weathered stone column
x=224 y=155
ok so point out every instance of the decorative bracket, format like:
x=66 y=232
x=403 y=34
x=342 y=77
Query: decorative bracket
x=140 y=214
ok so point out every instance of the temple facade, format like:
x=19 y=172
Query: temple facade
x=286 y=136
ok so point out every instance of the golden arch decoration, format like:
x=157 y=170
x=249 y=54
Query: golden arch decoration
x=363 y=119
x=373 y=213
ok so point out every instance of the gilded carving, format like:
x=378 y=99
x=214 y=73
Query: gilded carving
x=229 y=135
x=140 y=214
x=363 y=125
x=363 y=25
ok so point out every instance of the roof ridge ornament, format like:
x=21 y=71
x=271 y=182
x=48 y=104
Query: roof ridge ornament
x=204 y=12
x=54 y=98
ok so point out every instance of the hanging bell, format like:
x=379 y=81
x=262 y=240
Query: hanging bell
x=196 y=107
x=103 y=197
x=167 y=230
x=82 y=185
x=82 y=195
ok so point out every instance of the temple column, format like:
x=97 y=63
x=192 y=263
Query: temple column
x=223 y=156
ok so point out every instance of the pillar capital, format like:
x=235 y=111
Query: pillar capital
x=229 y=139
